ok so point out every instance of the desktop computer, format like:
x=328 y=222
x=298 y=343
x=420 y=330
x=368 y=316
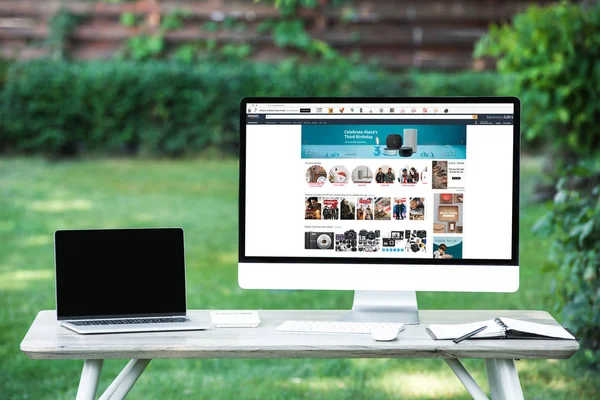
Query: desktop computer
x=383 y=196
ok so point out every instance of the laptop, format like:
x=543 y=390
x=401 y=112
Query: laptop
x=121 y=280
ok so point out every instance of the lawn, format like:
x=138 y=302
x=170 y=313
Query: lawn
x=38 y=197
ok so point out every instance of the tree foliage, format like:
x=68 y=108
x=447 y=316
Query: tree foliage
x=552 y=55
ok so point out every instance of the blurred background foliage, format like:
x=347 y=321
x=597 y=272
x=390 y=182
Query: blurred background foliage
x=573 y=222
x=551 y=55
x=157 y=99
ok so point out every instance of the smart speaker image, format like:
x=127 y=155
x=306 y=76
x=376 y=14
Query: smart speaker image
x=393 y=142
x=362 y=174
x=410 y=139
x=405 y=151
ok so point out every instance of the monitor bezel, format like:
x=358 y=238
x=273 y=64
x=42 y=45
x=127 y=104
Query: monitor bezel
x=513 y=261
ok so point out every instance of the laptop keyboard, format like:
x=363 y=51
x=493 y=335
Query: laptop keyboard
x=161 y=320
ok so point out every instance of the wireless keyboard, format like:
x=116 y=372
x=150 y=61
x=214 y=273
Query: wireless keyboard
x=336 y=326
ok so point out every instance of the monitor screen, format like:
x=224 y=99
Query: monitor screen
x=379 y=181
x=112 y=272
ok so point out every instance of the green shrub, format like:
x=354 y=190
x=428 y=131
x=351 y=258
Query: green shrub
x=4 y=65
x=551 y=54
x=456 y=84
x=574 y=223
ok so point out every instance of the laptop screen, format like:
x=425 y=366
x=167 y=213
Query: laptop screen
x=119 y=273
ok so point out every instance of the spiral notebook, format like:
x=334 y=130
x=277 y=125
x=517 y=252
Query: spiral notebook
x=500 y=328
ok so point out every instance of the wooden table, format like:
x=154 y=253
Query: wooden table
x=46 y=340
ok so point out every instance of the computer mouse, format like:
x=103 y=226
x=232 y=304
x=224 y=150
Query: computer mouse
x=385 y=334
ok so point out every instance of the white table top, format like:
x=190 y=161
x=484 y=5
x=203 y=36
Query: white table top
x=47 y=340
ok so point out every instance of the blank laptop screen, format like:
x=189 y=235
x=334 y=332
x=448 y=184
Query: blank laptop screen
x=120 y=273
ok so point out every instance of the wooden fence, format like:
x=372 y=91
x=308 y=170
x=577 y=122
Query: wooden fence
x=430 y=34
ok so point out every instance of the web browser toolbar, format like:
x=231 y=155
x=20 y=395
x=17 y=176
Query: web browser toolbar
x=380 y=109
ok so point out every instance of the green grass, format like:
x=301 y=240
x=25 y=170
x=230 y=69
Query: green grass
x=38 y=197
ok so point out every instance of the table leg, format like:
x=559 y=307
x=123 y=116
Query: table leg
x=88 y=384
x=467 y=380
x=503 y=379
x=123 y=383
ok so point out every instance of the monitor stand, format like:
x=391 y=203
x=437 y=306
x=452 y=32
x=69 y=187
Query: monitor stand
x=384 y=306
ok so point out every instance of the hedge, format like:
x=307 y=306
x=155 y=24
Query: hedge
x=173 y=109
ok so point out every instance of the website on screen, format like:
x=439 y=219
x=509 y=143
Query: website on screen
x=380 y=181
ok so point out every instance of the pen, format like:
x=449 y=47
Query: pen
x=468 y=335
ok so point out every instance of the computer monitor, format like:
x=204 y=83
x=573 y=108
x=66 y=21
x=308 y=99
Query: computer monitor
x=383 y=196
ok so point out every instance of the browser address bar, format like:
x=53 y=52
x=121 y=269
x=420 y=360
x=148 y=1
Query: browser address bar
x=361 y=116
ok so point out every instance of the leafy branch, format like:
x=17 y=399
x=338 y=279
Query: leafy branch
x=290 y=31
x=149 y=43
x=61 y=26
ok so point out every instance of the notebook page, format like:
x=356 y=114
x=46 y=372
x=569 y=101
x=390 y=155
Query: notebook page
x=447 y=331
x=538 y=329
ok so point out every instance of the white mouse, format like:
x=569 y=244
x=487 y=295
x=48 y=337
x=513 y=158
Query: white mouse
x=385 y=334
